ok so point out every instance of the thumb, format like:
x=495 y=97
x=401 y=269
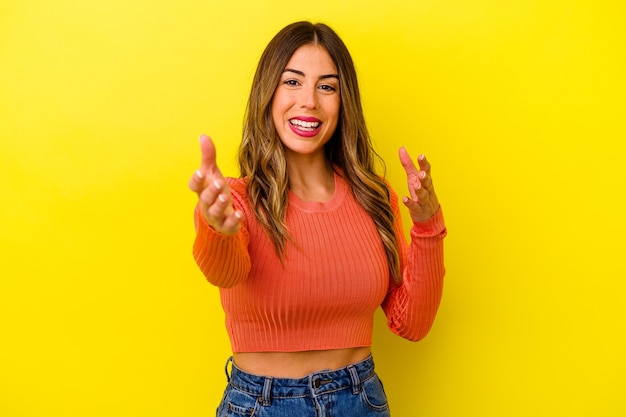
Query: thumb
x=208 y=161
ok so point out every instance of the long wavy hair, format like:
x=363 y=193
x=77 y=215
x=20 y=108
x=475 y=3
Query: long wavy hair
x=262 y=157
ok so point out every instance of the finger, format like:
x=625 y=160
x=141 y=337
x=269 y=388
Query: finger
x=407 y=162
x=425 y=180
x=414 y=185
x=222 y=216
x=420 y=192
x=232 y=223
x=219 y=209
x=423 y=163
x=209 y=160
x=422 y=195
x=411 y=204
x=210 y=193
x=197 y=182
x=411 y=172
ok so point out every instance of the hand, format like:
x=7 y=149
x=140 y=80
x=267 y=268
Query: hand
x=214 y=197
x=423 y=203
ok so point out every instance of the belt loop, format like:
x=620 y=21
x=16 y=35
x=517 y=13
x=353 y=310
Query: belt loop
x=230 y=360
x=356 y=382
x=266 y=398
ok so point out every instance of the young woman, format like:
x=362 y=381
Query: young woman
x=308 y=242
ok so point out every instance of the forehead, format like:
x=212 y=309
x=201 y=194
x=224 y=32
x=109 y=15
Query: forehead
x=313 y=59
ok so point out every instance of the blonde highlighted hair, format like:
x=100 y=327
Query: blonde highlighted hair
x=261 y=154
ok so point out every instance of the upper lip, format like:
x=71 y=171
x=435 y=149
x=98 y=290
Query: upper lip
x=306 y=119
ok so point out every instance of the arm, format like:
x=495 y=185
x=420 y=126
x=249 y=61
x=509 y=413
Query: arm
x=221 y=245
x=411 y=306
x=223 y=259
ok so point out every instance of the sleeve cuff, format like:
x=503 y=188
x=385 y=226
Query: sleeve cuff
x=431 y=227
x=204 y=228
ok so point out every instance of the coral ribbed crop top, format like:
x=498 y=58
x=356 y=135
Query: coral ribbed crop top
x=333 y=279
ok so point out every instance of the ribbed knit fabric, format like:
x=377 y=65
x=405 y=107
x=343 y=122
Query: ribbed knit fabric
x=333 y=279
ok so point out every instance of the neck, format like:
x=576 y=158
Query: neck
x=311 y=179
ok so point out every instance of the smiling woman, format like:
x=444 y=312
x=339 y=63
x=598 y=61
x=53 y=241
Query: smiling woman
x=308 y=243
x=305 y=107
x=519 y=105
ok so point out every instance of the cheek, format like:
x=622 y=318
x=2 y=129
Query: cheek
x=276 y=113
x=334 y=109
x=279 y=106
x=335 y=103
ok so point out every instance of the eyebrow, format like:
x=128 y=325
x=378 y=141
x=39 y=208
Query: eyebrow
x=295 y=71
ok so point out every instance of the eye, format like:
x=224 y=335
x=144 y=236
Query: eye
x=291 y=82
x=328 y=88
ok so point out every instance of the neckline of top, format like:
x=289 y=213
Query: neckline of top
x=341 y=189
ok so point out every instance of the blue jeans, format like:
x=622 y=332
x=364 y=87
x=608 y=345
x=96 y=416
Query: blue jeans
x=353 y=391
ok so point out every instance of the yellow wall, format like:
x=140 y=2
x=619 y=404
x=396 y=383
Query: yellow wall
x=519 y=105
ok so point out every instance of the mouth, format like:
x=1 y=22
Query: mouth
x=305 y=125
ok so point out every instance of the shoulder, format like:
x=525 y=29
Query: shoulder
x=393 y=196
x=237 y=185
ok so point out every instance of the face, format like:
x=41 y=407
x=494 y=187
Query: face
x=305 y=107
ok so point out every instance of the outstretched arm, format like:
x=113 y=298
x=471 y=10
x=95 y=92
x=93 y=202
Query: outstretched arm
x=221 y=245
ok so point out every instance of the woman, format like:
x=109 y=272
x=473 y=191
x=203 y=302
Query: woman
x=308 y=243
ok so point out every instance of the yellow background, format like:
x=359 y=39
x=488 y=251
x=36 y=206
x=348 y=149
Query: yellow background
x=520 y=106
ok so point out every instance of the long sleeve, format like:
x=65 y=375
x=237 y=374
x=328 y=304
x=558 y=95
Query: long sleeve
x=412 y=305
x=224 y=260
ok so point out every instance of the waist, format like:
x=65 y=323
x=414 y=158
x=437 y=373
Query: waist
x=298 y=364
x=314 y=383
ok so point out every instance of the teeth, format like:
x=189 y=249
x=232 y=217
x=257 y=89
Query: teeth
x=303 y=124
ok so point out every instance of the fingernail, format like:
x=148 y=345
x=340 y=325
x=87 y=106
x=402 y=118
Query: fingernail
x=201 y=138
x=418 y=186
x=421 y=157
x=199 y=174
x=423 y=175
x=238 y=214
x=221 y=198
x=217 y=184
x=405 y=199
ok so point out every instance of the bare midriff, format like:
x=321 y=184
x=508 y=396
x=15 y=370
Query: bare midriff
x=298 y=364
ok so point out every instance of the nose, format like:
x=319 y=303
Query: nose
x=308 y=98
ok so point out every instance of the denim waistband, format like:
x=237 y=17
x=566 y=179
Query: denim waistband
x=312 y=385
